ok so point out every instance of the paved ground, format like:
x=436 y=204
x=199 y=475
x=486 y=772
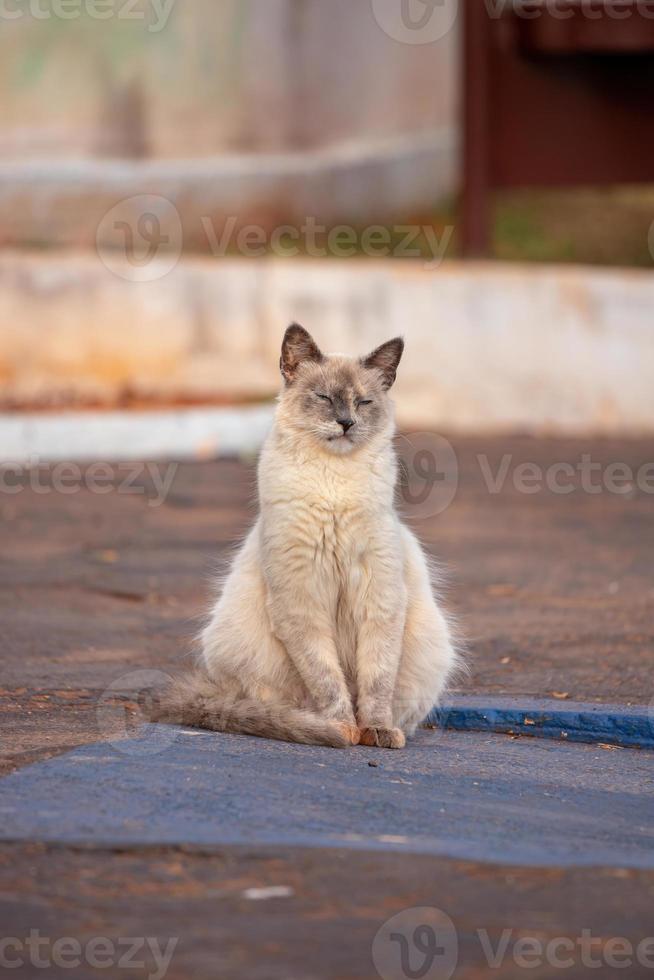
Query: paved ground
x=323 y=921
x=554 y=592
x=458 y=794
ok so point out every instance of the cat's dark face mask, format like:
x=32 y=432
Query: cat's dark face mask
x=338 y=402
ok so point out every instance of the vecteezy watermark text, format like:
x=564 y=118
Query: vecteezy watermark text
x=565 y=9
x=99 y=953
x=424 y=942
x=586 y=475
x=153 y=13
x=428 y=21
x=141 y=239
x=320 y=241
x=565 y=952
x=429 y=475
x=149 y=480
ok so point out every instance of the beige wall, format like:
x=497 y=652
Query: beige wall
x=221 y=76
x=489 y=347
x=267 y=110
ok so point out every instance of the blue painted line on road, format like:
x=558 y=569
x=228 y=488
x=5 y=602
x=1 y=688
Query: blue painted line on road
x=629 y=726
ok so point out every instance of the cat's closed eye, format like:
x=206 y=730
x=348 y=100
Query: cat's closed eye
x=325 y=398
x=364 y=401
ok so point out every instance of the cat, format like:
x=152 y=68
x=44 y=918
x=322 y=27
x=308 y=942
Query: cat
x=326 y=630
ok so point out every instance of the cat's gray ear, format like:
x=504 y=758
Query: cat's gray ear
x=298 y=345
x=386 y=359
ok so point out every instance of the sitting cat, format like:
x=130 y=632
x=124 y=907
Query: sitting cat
x=326 y=630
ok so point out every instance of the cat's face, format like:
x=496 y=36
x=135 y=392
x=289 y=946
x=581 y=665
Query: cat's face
x=338 y=402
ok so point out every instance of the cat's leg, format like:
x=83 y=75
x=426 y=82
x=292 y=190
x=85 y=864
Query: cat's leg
x=428 y=654
x=246 y=682
x=307 y=637
x=427 y=662
x=381 y=611
x=378 y=657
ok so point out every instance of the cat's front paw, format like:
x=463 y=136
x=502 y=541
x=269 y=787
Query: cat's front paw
x=383 y=738
x=350 y=731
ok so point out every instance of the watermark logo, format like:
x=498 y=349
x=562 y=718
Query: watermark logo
x=416 y=944
x=429 y=474
x=147 y=954
x=416 y=21
x=151 y=481
x=125 y=709
x=569 y=9
x=422 y=944
x=428 y=21
x=152 y=13
x=318 y=241
x=140 y=239
x=586 y=475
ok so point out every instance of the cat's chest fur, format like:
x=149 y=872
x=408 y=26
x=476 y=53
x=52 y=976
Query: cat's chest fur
x=328 y=522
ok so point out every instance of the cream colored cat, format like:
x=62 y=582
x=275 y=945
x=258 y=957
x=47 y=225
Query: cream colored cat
x=326 y=630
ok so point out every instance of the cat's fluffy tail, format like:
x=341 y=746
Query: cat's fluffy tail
x=199 y=702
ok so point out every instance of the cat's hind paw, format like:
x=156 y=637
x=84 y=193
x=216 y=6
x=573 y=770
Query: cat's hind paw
x=383 y=738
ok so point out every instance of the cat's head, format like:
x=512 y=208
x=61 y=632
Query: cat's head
x=339 y=403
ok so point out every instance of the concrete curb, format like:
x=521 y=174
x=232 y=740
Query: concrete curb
x=354 y=183
x=182 y=434
x=629 y=726
x=490 y=348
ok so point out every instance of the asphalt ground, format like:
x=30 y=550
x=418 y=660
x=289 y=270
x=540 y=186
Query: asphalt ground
x=553 y=591
x=274 y=861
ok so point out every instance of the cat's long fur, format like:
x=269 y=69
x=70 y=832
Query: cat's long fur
x=327 y=630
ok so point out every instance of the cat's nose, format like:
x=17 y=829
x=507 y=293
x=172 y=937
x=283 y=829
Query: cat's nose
x=346 y=423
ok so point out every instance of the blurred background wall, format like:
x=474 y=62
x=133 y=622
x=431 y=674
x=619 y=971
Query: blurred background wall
x=207 y=77
x=139 y=138
x=345 y=122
